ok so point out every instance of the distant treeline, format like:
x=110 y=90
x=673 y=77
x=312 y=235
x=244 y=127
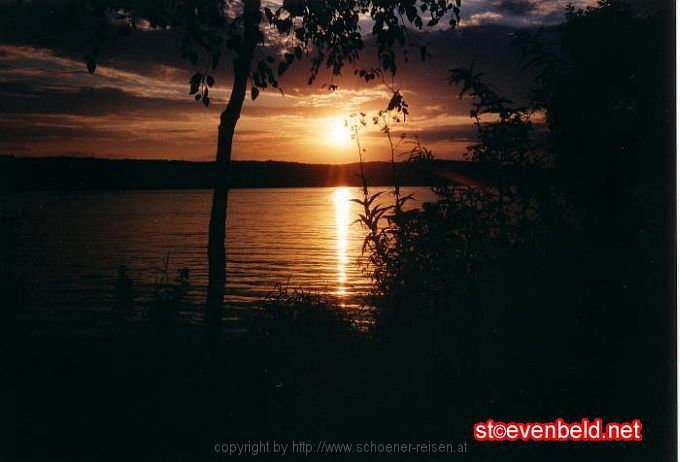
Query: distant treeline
x=74 y=173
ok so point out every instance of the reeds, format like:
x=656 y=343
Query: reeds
x=160 y=304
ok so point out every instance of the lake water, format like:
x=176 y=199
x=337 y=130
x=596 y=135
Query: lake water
x=304 y=237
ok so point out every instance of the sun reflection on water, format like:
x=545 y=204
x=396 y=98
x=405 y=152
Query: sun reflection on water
x=341 y=199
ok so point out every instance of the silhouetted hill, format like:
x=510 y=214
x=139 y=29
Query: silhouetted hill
x=72 y=173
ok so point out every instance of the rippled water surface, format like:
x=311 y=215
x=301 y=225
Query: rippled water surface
x=75 y=242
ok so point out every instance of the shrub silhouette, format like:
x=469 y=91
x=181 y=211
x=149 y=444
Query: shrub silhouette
x=483 y=275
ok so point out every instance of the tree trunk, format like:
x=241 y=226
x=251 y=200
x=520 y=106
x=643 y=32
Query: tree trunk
x=217 y=259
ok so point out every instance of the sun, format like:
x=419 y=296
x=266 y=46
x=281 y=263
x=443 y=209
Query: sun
x=336 y=133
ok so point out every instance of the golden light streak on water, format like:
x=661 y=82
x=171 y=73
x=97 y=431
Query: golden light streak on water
x=341 y=199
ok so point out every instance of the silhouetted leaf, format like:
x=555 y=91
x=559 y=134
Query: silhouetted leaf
x=195 y=83
x=269 y=14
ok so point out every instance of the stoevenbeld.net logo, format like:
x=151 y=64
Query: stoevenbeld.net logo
x=558 y=430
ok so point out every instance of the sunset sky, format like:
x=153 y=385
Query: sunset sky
x=137 y=105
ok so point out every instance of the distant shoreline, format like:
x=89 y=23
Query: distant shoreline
x=89 y=173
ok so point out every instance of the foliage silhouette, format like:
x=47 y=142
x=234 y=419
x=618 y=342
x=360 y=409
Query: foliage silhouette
x=606 y=107
x=505 y=141
x=163 y=299
x=484 y=274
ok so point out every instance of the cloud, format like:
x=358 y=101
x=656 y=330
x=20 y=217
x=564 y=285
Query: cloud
x=488 y=17
x=517 y=13
x=516 y=7
x=137 y=103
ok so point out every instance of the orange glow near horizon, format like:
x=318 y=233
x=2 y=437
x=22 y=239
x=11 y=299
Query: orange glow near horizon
x=135 y=120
